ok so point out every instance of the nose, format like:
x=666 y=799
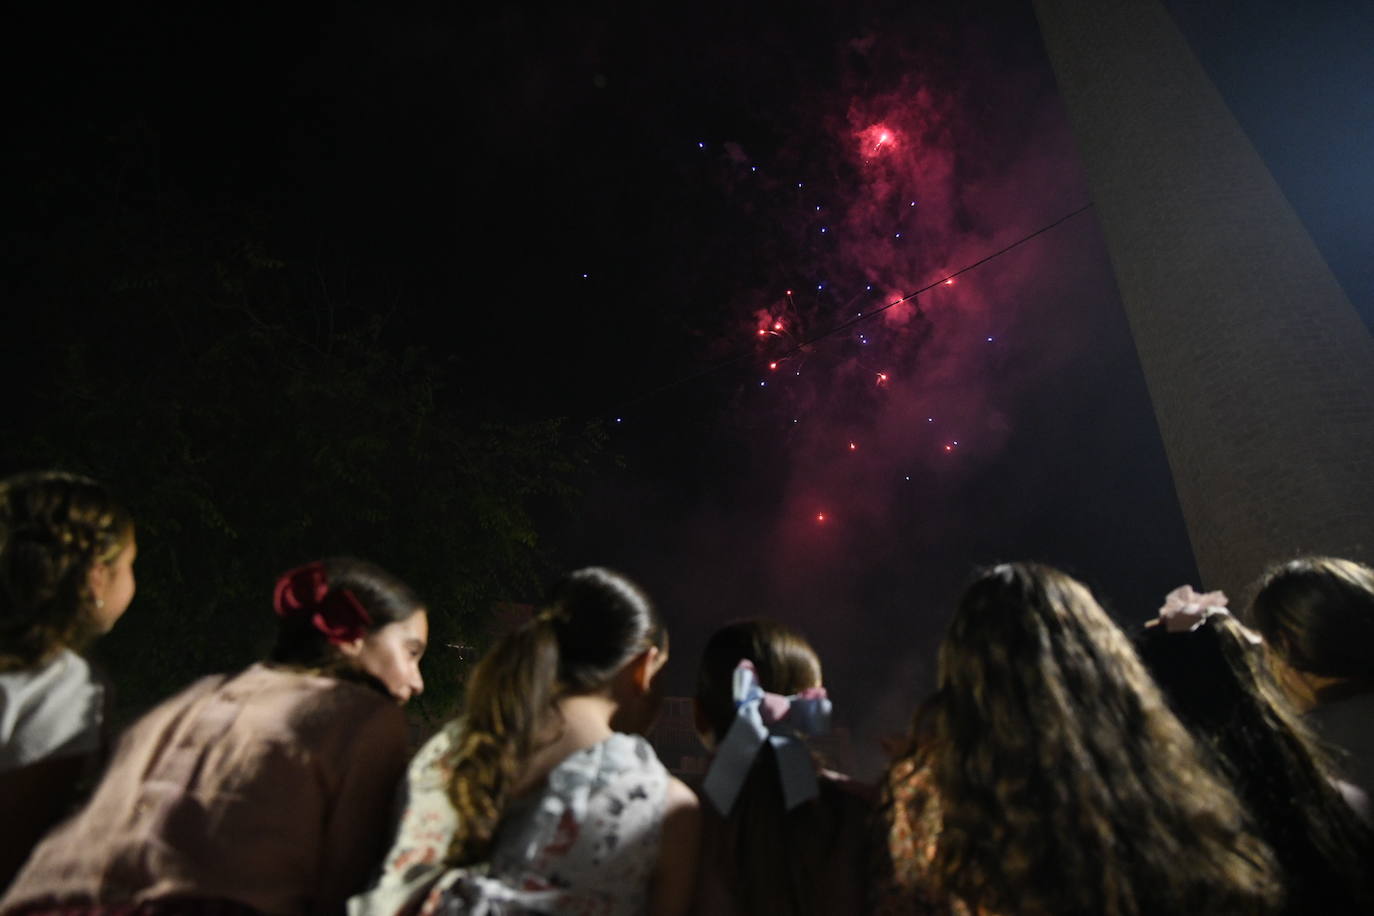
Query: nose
x=417 y=684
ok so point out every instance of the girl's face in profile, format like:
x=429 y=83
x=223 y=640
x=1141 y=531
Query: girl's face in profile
x=392 y=654
x=113 y=586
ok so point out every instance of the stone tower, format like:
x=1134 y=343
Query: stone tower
x=1260 y=371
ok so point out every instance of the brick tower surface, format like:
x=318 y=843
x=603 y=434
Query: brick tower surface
x=1260 y=371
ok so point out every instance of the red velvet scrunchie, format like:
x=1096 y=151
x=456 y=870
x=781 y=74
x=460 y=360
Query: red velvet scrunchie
x=305 y=592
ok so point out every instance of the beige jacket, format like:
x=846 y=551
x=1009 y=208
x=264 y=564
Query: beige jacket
x=272 y=788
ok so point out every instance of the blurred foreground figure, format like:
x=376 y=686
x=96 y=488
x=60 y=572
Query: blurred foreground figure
x=1048 y=776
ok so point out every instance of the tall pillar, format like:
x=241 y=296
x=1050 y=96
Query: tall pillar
x=1260 y=370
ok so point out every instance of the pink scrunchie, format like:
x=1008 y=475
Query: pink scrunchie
x=339 y=615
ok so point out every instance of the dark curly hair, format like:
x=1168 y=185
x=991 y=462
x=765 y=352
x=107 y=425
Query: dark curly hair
x=54 y=527
x=1063 y=783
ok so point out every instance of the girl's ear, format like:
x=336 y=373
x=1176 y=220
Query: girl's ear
x=645 y=665
x=98 y=580
x=352 y=648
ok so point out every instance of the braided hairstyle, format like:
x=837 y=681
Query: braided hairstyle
x=594 y=622
x=54 y=527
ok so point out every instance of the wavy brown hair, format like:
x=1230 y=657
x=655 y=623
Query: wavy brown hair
x=1064 y=784
x=54 y=527
x=764 y=856
x=593 y=623
x=1219 y=685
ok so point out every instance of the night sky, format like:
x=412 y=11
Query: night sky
x=598 y=212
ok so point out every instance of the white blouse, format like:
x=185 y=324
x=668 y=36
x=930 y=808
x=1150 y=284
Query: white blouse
x=51 y=711
x=586 y=843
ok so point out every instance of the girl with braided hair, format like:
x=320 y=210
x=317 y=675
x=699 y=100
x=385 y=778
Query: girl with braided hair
x=66 y=575
x=541 y=797
x=266 y=791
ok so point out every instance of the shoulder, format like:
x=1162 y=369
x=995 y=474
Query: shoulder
x=51 y=710
x=680 y=798
x=432 y=766
x=325 y=715
x=313 y=700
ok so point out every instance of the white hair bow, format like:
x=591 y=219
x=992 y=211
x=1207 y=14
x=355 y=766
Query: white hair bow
x=761 y=716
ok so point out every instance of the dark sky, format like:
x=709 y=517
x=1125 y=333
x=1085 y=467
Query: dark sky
x=594 y=210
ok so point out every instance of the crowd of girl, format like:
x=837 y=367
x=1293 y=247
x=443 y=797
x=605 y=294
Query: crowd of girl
x=1061 y=766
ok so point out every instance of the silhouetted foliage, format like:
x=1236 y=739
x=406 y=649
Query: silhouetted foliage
x=252 y=421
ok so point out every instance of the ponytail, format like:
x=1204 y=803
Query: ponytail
x=507 y=692
x=595 y=621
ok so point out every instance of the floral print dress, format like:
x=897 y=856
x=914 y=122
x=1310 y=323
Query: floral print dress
x=585 y=844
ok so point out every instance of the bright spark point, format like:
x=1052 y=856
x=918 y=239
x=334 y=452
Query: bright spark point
x=617 y=419
x=820 y=286
x=989 y=340
x=789 y=292
x=762 y=332
x=701 y=145
x=949 y=282
x=584 y=276
x=820 y=516
x=882 y=376
x=777 y=325
x=898 y=235
x=818 y=208
x=762 y=383
x=853 y=447
x=908 y=477
x=912 y=204
x=753 y=168
x=949 y=448
x=868 y=288
x=772 y=365
x=799 y=184
x=823 y=229
x=930 y=419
